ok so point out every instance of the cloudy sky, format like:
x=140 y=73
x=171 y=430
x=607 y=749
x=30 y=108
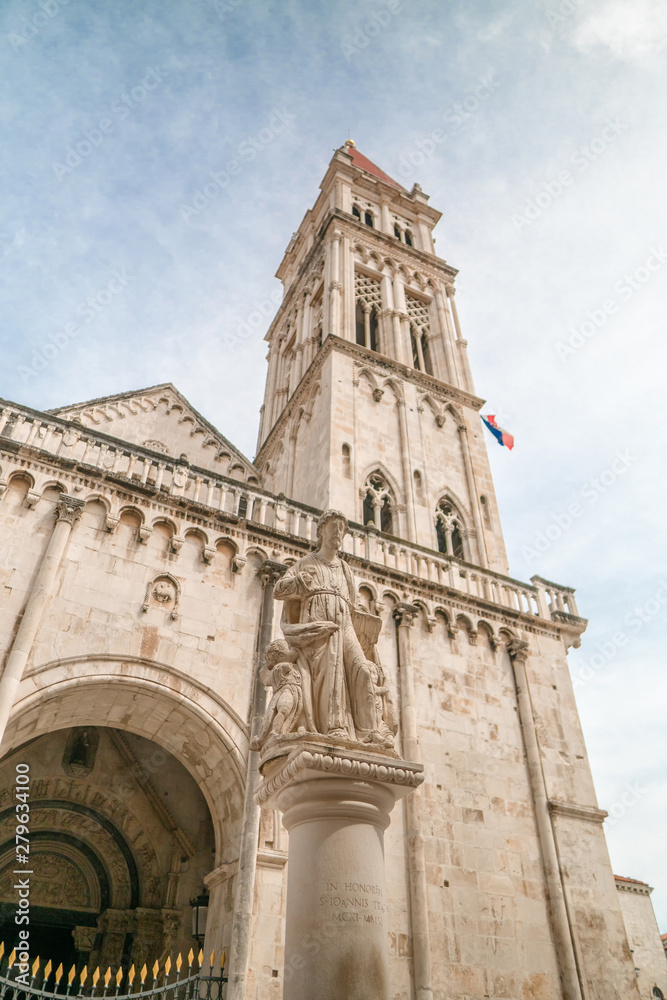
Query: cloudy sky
x=537 y=128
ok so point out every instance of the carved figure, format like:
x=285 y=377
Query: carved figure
x=286 y=706
x=322 y=621
x=163 y=591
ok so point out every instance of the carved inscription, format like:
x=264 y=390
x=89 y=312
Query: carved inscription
x=353 y=902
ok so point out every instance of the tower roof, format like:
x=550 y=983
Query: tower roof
x=361 y=161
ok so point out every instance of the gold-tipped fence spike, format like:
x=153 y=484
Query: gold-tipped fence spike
x=107 y=977
x=96 y=975
x=83 y=976
x=200 y=957
x=70 y=975
x=119 y=976
x=59 y=973
x=179 y=962
x=12 y=957
x=156 y=968
x=212 y=959
x=47 y=970
x=144 y=973
x=35 y=967
x=167 y=966
x=191 y=956
x=2 y=949
x=131 y=974
x=223 y=959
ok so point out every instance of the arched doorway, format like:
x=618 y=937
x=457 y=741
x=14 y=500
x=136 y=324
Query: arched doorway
x=147 y=781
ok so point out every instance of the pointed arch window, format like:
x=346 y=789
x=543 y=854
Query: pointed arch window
x=449 y=529
x=378 y=503
x=367 y=311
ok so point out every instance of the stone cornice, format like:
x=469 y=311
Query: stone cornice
x=339 y=763
x=589 y=813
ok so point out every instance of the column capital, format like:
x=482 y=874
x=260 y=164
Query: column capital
x=517 y=649
x=405 y=613
x=68 y=509
x=270 y=571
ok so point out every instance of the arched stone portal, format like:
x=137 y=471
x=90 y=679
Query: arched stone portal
x=136 y=797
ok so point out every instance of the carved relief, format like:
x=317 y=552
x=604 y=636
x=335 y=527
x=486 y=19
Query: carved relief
x=163 y=591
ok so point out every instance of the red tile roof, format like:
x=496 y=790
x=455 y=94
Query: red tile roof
x=636 y=881
x=364 y=163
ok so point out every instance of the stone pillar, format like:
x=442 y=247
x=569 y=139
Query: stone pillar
x=244 y=889
x=68 y=511
x=560 y=923
x=336 y=804
x=474 y=499
x=405 y=615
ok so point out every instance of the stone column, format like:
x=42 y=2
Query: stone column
x=560 y=923
x=405 y=615
x=336 y=804
x=68 y=511
x=269 y=572
x=474 y=499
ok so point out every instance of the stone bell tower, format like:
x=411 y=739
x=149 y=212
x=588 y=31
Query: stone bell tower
x=369 y=405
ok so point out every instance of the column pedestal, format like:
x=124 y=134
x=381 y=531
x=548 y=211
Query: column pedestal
x=336 y=804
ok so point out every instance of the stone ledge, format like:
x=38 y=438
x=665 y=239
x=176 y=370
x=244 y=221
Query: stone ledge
x=589 y=813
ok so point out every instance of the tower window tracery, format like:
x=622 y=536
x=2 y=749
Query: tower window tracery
x=420 y=328
x=368 y=297
x=449 y=529
x=378 y=503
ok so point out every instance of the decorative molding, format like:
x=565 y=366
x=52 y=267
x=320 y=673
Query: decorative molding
x=590 y=813
x=164 y=589
x=340 y=763
x=267 y=858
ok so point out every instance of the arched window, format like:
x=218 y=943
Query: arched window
x=347 y=472
x=360 y=324
x=449 y=530
x=658 y=994
x=356 y=213
x=408 y=238
x=368 y=219
x=378 y=503
x=397 y=232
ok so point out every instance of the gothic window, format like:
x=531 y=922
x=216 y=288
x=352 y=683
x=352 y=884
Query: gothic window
x=408 y=238
x=368 y=219
x=378 y=503
x=658 y=994
x=243 y=507
x=420 y=328
x=356 y=213
x=368 y=296
x=449 y=529
x=397 y=232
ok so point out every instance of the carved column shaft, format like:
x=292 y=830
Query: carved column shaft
x=518 y=652
x=244 y=890
x=407 y=475
x=474 y=499
x=404 y=615
x=67 y=511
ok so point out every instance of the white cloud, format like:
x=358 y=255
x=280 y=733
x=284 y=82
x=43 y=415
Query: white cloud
x=630 y=31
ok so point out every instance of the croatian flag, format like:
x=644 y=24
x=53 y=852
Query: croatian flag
x=502 y=437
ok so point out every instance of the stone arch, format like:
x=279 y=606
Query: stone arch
x=152 y=700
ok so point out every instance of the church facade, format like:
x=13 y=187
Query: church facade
x=140 y=551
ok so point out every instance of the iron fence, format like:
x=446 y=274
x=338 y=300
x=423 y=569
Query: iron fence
x=198 y=980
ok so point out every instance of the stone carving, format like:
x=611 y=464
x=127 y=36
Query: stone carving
x=165 y=592
x=327 y=678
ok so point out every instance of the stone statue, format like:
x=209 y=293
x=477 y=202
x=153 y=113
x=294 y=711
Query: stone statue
x=344 y=696
x=285 y=711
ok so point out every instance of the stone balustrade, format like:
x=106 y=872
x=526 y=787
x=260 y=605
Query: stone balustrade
x=161 y=475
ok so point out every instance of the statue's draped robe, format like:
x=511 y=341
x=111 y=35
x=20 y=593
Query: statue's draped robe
x=338 y=690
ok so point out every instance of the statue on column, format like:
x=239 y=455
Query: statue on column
x=326 y=674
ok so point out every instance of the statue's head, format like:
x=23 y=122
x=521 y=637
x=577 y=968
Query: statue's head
x=278 y=650
x=327 y=518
